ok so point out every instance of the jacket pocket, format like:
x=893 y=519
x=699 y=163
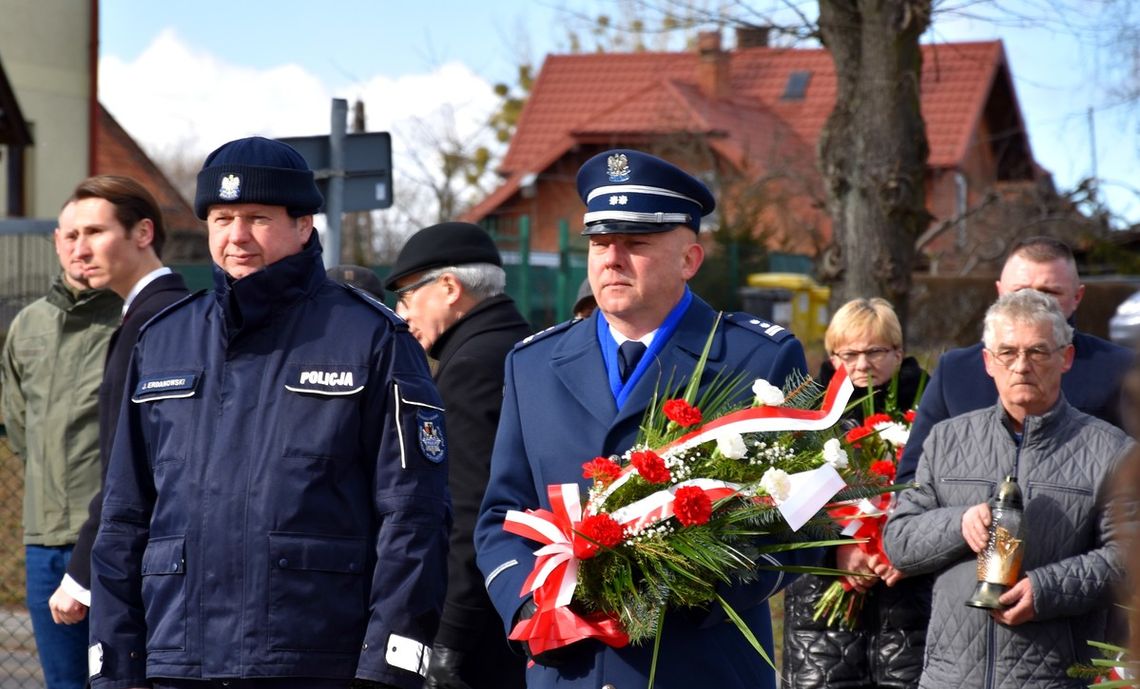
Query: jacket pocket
x=318 y=592
x=1062 y=518
x=321 y=410
x=965 y=491
x=164 y=593
x=171 y=402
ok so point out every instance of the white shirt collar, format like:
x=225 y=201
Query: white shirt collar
x=646 y=339
x=143 y=282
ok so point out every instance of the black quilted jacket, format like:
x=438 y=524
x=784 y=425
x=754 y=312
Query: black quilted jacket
x=884 y=650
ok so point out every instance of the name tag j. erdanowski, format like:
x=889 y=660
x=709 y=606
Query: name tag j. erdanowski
x=161 y=386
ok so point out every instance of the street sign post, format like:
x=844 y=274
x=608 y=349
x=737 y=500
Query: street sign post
x=353 y=172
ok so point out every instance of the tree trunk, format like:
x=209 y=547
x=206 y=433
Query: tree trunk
x=873 y=148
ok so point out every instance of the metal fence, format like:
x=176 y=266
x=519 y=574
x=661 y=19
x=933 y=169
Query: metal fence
x=19 y=665
x=27 y=265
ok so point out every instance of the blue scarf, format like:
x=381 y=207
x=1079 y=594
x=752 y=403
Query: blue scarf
x=609 y=349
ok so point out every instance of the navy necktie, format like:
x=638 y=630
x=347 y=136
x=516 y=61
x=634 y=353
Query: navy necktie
x=629 y=353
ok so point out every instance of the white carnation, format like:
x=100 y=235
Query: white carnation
x=894 y=433
x=834 y=454
x=767 y=394
x=776 y=483
x=731 y=445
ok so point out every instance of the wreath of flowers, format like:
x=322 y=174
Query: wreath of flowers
x=711 y=484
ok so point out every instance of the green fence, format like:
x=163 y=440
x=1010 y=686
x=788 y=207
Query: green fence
x=545 y=283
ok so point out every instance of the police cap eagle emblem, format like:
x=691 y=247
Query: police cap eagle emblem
x=617 y=167
x=230 y=188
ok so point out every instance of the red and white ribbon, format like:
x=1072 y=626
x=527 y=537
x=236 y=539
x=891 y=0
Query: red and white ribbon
x=859 y=518
x=775 y=419
x=658 y=506
x=555 y=529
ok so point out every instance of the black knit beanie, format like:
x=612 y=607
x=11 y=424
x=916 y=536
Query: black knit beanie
x=257 y=170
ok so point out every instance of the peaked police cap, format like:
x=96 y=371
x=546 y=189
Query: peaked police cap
x=631 y=192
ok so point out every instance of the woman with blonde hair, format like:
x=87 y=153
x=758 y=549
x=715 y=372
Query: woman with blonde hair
x=885 y=646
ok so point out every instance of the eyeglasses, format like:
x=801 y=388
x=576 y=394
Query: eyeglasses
x=404 y=292
x=1008 y=356
x=874 y=355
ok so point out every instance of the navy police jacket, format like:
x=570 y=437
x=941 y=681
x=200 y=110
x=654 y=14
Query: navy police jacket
x=558 y=413
x=960 y=384
x=276 y=501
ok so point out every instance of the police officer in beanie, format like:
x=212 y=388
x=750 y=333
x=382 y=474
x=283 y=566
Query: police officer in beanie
x=276 y=513
x=580 y=390
x=449 y=281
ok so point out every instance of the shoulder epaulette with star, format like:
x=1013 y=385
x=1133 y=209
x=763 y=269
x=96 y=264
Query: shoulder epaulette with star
x=375 y=303
x=543 y=334
x=774 y=332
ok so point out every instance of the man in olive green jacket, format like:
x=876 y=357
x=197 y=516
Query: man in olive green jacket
x=50 y=372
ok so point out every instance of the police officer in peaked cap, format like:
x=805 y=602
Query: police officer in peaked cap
x=580 y=389
x=276 y=511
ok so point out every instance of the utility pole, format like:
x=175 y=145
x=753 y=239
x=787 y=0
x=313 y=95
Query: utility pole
x=334 y=201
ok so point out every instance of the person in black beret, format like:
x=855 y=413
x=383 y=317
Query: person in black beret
x=449 y=281
x=580 y=390
x=276 y=512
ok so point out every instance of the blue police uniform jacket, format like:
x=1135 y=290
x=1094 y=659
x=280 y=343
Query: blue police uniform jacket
x=960 y=384
x=559 y=412
x=276 y=499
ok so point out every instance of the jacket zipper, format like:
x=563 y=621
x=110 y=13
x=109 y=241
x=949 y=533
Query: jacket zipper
x=991 y=625
x=990 y=660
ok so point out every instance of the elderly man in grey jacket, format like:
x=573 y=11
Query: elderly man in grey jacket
x=1061 y=459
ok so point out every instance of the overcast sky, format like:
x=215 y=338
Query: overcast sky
x=190 y=76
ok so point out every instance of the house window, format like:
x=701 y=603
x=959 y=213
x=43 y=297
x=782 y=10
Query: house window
x=796 y=87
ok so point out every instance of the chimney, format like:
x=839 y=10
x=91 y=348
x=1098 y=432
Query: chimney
x=712 y=72
x=752 y=36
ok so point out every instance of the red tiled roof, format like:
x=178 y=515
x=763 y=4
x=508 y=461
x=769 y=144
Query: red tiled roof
x=577 y=95
x=117 y=153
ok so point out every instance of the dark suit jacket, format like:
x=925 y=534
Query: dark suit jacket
x=960 y=384
x=160 y=293
x=469 y=376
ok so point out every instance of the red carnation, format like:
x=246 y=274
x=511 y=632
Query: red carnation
x=909 y=416
x=601 y=469
x=877 y=419
x=650 y=466
x=884 y=468
x=602 y=530
x=899 y=452
x=858 y=433
x=682 y=413
x=692 y=506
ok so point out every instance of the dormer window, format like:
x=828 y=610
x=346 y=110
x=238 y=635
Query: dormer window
x=796 y=87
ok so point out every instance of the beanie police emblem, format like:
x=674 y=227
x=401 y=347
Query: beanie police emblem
x=231 y=188
x=618 y=167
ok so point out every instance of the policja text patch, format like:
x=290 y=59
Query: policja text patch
x=325 y=379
